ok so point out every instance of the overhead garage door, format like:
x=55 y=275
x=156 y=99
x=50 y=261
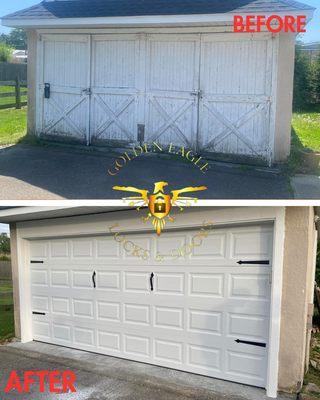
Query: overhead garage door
x=209 y=92
x=206 y=314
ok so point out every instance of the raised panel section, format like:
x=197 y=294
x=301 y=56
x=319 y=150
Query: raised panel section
x=107 y=248
x=109 y=311
x=168 y=351
x=39 y=277
x=59 y=249
x=40 y=303
x=59 y=278
x=169 y=283
x=168 y=317
x=38 y=250
x=82 y=279
x=137 y=345
x=41 y=329
x=255 y=244
x=206 y=285
x=137 y=314
x=250 y=286
x=108 y=280
x=84 y=336
x=82 y=248
x=83 y=308
x=137 y=246
x=247 y=326
x=205 y=321
x=204 y=357
x=60 y=305
x=109 y=340
x=244 y=364
x=213 y=247
x=166 y=245
x=61 y=332
x=136 y=282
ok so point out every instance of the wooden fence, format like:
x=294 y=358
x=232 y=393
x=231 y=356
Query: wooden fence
x=9 y=71
x=17 y=84
x=5 y=270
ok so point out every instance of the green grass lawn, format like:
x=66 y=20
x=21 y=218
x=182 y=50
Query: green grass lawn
x=10 y=100
x=305 y=139
x=6 y=311
x=307 y=128
x=13 y=125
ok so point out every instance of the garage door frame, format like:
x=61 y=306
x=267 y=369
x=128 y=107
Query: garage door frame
x=95 y=225
x=274 y=47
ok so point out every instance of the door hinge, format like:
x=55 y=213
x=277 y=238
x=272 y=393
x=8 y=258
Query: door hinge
x=251 y=343
x=87 y=91
x=38 y=313
x=36 y=262
x=258 y=262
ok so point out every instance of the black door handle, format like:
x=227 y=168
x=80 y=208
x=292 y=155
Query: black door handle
x=151 y=281
x=94 y=279
x=47 y=90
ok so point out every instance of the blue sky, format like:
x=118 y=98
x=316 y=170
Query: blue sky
x=313 y=29
x=4 y=228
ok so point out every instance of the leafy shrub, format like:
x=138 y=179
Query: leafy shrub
x=5 y=52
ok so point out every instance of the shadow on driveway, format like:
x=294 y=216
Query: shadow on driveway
x=39 y=172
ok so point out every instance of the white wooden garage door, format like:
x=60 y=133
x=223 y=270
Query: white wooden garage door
x=209 y=92
x=206 y=314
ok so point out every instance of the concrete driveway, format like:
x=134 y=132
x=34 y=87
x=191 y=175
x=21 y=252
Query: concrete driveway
x=101 y=377
x=40 y=172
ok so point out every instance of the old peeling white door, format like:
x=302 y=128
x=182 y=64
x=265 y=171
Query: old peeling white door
x=66 y=68
x=117 y=87
x=207 y=313
x=235 y=83
x=172 y=74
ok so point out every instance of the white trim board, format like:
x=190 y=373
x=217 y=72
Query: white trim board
x=130 y=221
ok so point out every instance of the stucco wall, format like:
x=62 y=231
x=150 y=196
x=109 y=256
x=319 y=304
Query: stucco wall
x=284 y=96
x=298 y=280
x=32 y=83
x=15 y=279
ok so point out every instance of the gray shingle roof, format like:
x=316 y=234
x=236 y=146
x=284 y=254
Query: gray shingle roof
x=115 y=8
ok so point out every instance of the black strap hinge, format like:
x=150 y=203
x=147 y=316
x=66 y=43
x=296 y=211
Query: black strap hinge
x=259 y=262
x=36 y=262
x=38 y=313
x=251 y=343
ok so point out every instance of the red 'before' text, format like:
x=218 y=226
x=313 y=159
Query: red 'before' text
x=44 y=381
x=273 y=23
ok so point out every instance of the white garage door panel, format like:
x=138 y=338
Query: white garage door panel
x=116 y=83
x=200 y=305
x=172 y=77
x=236 y=86
x=66 y=69
x=210 y=92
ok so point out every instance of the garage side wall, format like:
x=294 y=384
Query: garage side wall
x=15 y=279
x=284 y=97
x=32 y=81
x=298 y=278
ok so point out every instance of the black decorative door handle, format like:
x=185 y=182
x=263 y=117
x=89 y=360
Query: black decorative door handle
x=151 y=281
x=94 y=279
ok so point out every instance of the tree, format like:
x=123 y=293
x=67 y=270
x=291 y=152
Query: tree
x=316 y=80
x=4 y=243
x=5 y=52
x=17 y=39
x=302 y=90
